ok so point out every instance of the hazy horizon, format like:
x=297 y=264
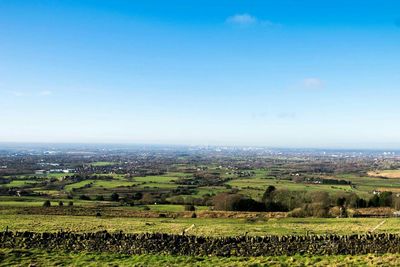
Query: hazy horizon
x=22 y=144
x=266 y=73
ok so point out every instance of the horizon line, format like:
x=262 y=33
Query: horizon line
x=363 y=148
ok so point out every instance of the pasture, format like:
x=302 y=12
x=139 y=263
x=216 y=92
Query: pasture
x=23 y=257
x=391 y=174
x=253 y=185
x=202 y=226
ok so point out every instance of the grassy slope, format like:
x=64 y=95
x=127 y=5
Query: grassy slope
x=13 y=201
x=203 y=226
x=385 y=173
x=10 y=257
x=253 y=186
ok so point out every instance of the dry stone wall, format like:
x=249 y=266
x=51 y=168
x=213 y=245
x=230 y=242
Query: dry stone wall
x=203 y=246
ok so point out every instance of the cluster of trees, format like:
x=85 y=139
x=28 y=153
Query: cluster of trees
x=321 y=180
x=238 y=202
x=302 y=203
x=47 y=203
x=205 y=200
x=113 y=197
x=384 y=199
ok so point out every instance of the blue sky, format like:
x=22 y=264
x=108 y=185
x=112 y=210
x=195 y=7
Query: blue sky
x=274 y=73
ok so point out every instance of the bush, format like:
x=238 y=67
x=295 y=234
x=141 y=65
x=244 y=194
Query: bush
x=60 y=203
x=283 y=199
x=114 y=197
x=70 y=203
x=249 y=204
x=100 y=198
x=340 y=201
x=137 y=196
x=84 y=197
x=311 y=210
x=275 y=206
x=320 y=197
x=236 y=202
x=47 y=203
x=385 y=199
x=226 y=201
x=318 y=210
x=298 y=213
x=190 y=208
x=396 y=203
x=268 y=193
x=361 y=203
x=374 y=201
x=335 y=211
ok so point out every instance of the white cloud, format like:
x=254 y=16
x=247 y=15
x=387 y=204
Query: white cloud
x=18 y=93
x=246 y=19
x=242 y=19
x=45 y=93
x=313 y=83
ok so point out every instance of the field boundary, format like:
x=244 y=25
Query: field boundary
x=122 y=212
x=157 y=243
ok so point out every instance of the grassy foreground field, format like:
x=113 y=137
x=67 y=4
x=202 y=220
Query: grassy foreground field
x=202 y=226
x=13 y=257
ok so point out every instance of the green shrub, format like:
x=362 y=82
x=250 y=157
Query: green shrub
x=114 y=197
x=100 y=198
x=190 y=208
x=84 y=197
x=47 y=203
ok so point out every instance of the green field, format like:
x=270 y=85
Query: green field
x=203 y=226
x=116 y=216
x=253 y=186
x=161 y=181
x=38 y=201
x=156 y=179
x=99 y=183
x=103 y=163
x=391 y=174
x=210 y=190
x=24 y=257
x=20 y=183
x=38 y=176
